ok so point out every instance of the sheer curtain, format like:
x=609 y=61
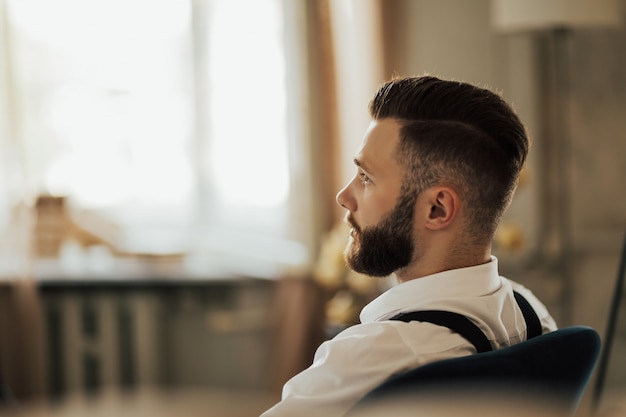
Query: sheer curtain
x=345 y=69
x=217 y=130
x=169 y=127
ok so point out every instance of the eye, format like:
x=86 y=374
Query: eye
x=365 y=180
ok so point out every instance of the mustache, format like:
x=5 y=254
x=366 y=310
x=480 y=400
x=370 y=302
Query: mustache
x=350 y=220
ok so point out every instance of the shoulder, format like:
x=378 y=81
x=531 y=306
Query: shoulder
x=408 y=344
x=365 y=355
x=542 y=311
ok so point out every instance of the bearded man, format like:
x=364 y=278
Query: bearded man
x=437 y=168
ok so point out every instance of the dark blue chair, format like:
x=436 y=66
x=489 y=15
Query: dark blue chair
x=555 y=367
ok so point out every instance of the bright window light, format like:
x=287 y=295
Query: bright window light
x=156 y=114
x=107 y=103
x=248 y=147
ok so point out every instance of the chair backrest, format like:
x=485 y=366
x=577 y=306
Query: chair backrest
x=615 y=313
x=556 y=366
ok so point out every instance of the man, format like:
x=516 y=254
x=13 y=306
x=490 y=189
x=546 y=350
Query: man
x=437 y=168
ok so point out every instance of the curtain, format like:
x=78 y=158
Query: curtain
x=344 y=69
x=22 y=366
x=299 y=313
x=22 y=361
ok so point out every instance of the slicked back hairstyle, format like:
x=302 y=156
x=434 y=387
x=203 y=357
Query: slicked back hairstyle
x=457 y=134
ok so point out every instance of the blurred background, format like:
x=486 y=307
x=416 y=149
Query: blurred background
x=168 y=170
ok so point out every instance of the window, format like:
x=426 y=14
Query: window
x=166 y=118
x=247 y=92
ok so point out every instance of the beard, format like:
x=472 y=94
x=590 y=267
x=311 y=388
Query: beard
x=386 y=247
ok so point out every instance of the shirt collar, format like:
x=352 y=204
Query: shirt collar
x=418 y=293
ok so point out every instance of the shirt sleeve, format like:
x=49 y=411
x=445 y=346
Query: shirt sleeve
x=356 y=361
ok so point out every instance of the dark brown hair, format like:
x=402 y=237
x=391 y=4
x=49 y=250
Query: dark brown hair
x=458 y=134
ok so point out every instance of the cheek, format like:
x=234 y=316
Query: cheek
x=372 y=212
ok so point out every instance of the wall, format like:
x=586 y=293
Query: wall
x=569 y=87
x=455 y=39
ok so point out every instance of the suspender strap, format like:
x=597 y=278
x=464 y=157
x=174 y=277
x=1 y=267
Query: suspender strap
x=533 y=324
x=458 y=323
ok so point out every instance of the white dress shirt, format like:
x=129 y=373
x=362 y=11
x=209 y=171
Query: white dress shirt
x=363 y=356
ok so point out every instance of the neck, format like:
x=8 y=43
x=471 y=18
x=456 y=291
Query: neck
x=445 y=260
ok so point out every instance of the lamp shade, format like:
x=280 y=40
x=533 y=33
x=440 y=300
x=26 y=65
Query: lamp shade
x=528 y=15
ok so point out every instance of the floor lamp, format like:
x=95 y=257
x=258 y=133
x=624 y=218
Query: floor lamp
x=552 y=22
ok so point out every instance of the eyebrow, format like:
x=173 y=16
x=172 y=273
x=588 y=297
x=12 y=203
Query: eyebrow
x=360 y=164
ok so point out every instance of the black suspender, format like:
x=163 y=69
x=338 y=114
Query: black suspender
x=463 y=326
x=533 y=324
x=458 y=323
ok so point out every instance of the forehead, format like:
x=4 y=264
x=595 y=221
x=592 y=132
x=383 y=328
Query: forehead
x=379 y=145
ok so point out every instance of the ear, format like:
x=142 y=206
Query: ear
x=444 y=207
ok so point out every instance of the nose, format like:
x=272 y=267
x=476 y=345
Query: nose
x=345 y=198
